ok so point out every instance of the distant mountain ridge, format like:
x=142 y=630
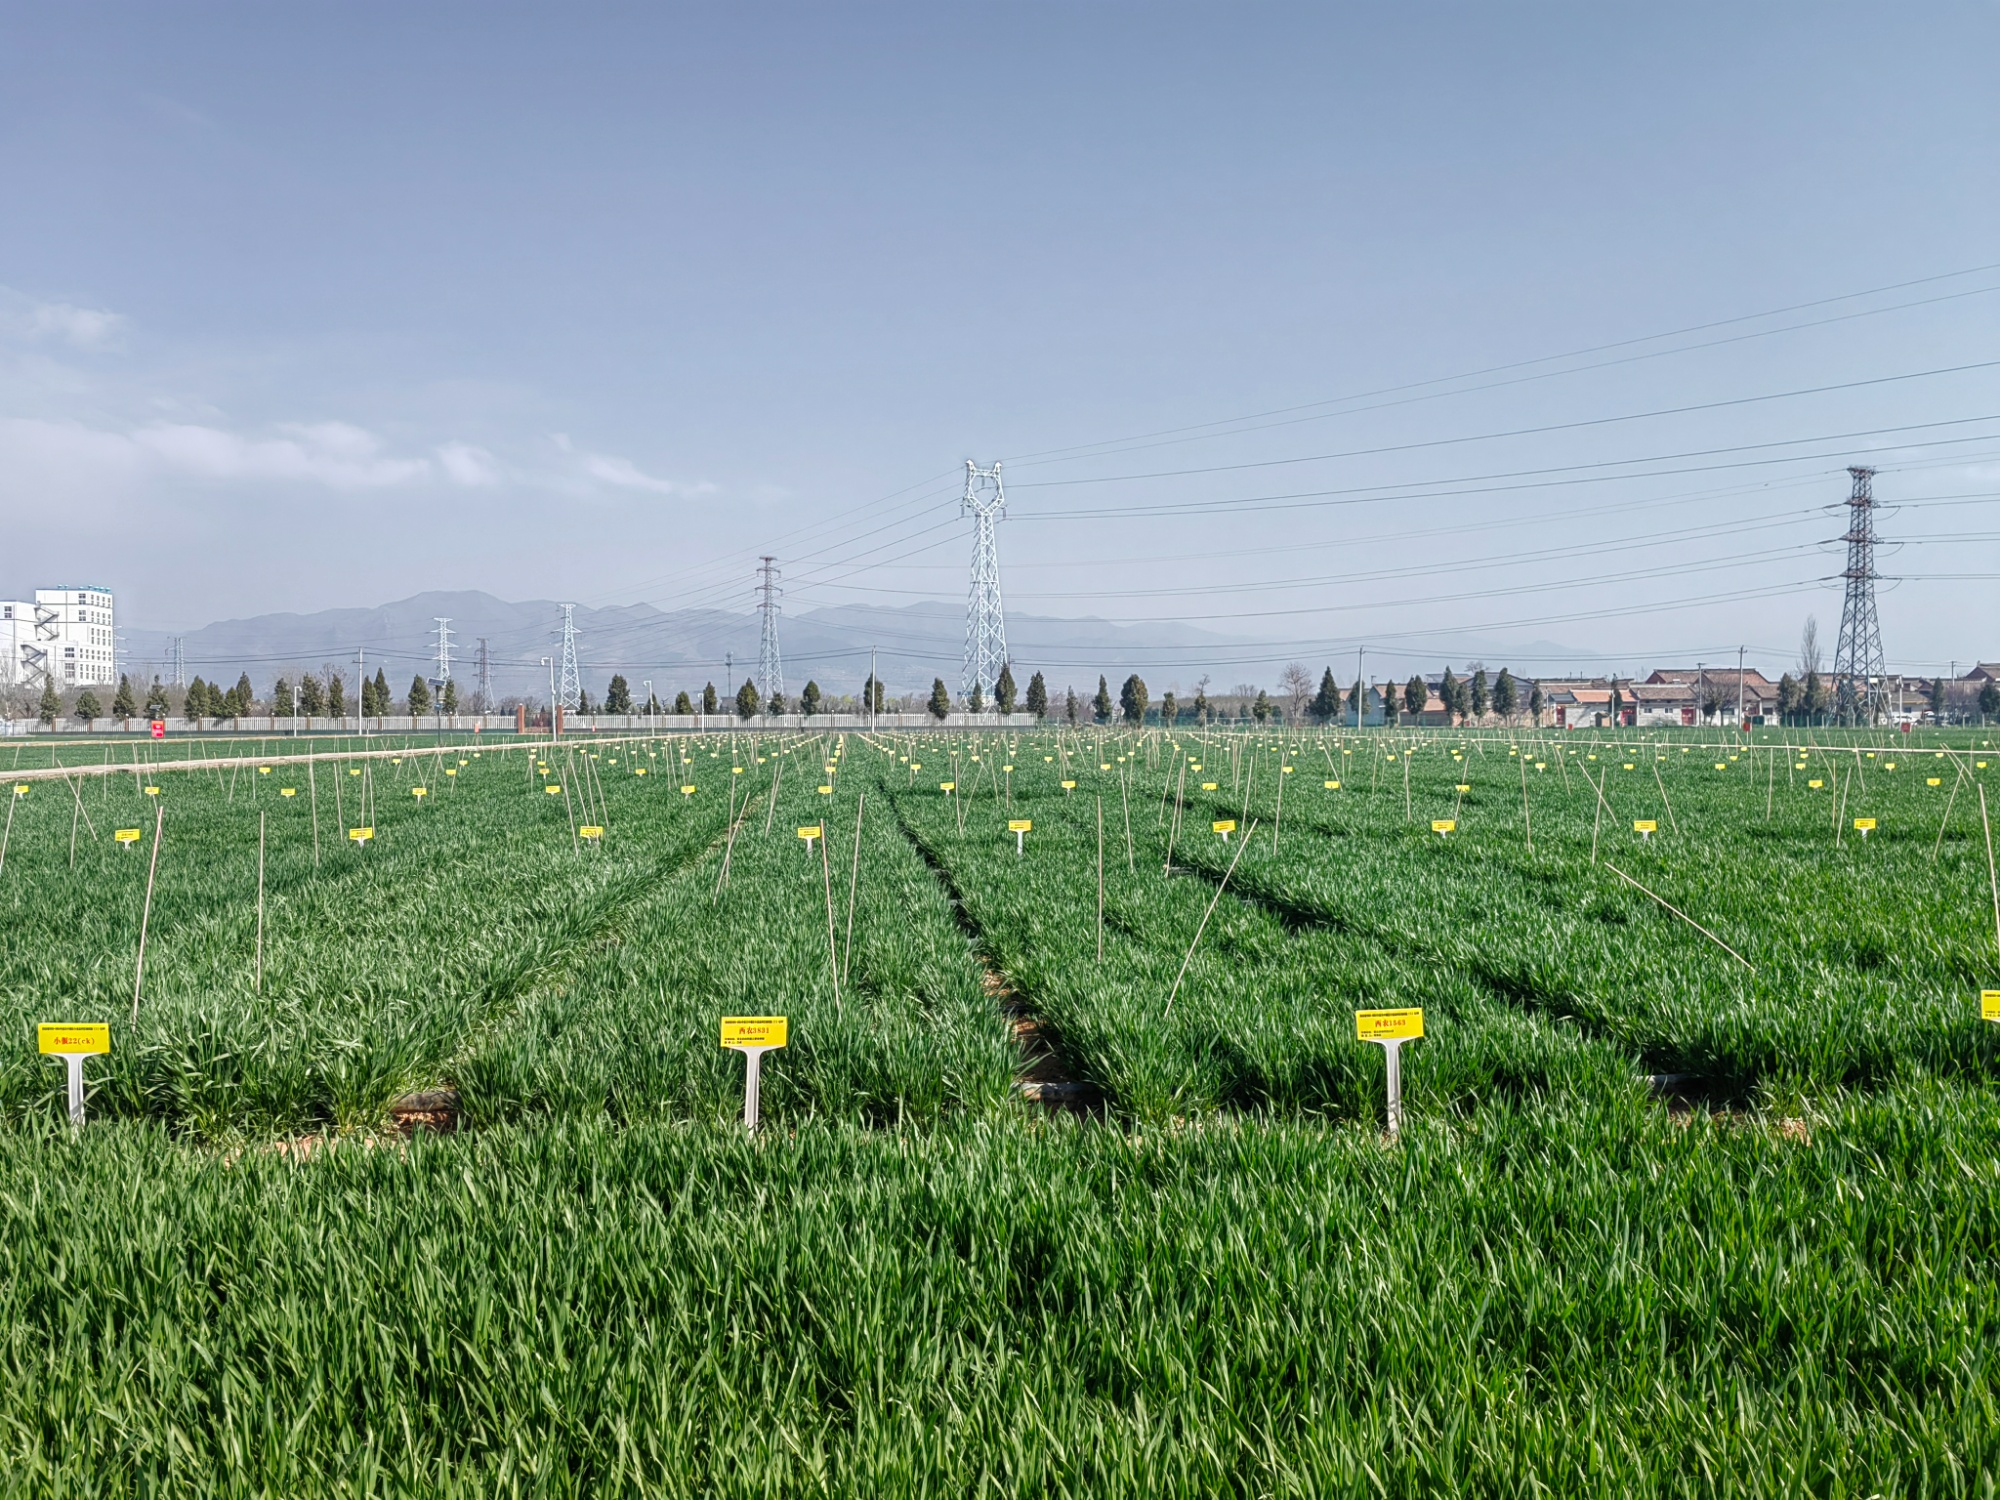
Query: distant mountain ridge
x=682 y=649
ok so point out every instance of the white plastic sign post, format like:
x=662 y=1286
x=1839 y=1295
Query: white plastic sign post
x=73 y=1044
x=753 y=1036
x=1223 y=826
x=810 y=832
x=1020 y=827
x=1645 y=827
x=1390 y=1029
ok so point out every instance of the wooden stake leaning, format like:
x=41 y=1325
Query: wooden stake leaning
x=853 y=881
x=146 y=913
x=1187 y=957
x=1100 y=879
x=1527 y=822
x=1991 y=879
x=1665 y=800
x=1683 y=916
x=260 y=903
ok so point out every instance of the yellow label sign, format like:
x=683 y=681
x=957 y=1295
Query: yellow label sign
x=1462 y=788
x=1388 y=1025
x=687 y=791
x=73 y=1038
x=1989 y=1005
x=591 y=831
x=952 y=786
x=1208 y=786
x=826 y=791
x=1069 y=786
x=361 y=835
x=127 y=835
x=1102 y=765
x=152 y=791
x=1332 y=786
x=1020 y=825
x=418 y=791
x=640 y=772
x=1224 y=825
x=1645 y=825
x=754 y=1031
x=1443 y=825
x=1815 y=783
x=1933 y=781
x=1866 y=825
x=263 y=770
x=453 y=771
x=811 y=831
x=553 y=790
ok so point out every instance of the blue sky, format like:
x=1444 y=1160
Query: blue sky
x=307 y=306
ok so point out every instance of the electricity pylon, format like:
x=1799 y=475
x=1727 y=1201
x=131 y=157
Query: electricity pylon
x=770 y=669
x=443 y=648
x=985 y=626
x=1860 y=686
x=485 y=678
x=569 y=686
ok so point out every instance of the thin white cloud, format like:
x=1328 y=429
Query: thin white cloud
x=335 y=454
x=470 y=467
x=32 y=321
x=625 y=474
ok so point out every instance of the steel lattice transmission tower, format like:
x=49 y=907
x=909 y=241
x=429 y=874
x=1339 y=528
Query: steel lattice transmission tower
x=770 y=667
x=1860 y=686
x=443 y=648
x=569 y=686
x=985 y=624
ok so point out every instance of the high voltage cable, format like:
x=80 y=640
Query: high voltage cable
x=1051 y=454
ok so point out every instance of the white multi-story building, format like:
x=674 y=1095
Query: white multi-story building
x=67 y=635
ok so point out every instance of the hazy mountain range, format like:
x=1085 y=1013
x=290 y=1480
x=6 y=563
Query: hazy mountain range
x=679 y=649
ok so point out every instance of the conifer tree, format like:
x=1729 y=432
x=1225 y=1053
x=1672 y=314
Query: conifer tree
x=1200 y=707
x=1100 y=706
x=281 y=698
x=1448 y=693
x=708 y=699
x=682 y=703
x=1482 y=697
x=809 y=699
x=1416 y=697
x=1170 y=710
x=747 y=700
x=194 y=702
x=382 y=700
x=448 y=700
x=246 y=696
x=1537 y=702
x=157 y=706
x=1506 y=698
x=618 y=696
x=1003 y=689
x=87 y=707
x=336 y=696
x=50 y=708
x=1354 y=699
x=1038 y=696
x=420 y=696
x=124 y=705
x=1133 y=698
x=775 y=705
x=1069 y=704
x=977 y=702
x=1260 y=710
x=940 y=703
x=1326 y=703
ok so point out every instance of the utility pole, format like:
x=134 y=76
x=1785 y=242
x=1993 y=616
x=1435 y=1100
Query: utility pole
x=770 y=670
x=180 y=664
x=985 y=623
x=571 y=686
x=1739 y=683
x=550 y=663
x=360 y=686
x=485 y=679
x=1857 y=659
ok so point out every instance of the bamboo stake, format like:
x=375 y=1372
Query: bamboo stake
x=853 y=881
x=776 y=779
x=312 y=782
x=1946 y=819
x=1684 y=917
x=1406 y=784
x=1131 y=866
x=1662 y=785
x=1100 y=879
x=1203 y=927
x=146 y=913
x=832 y=957
x=260 y=903
x=8 y=834
x=1278 y=816
x=1527 y=822
x=1173 y=833
x=1991 y=879
x=1597 y=815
